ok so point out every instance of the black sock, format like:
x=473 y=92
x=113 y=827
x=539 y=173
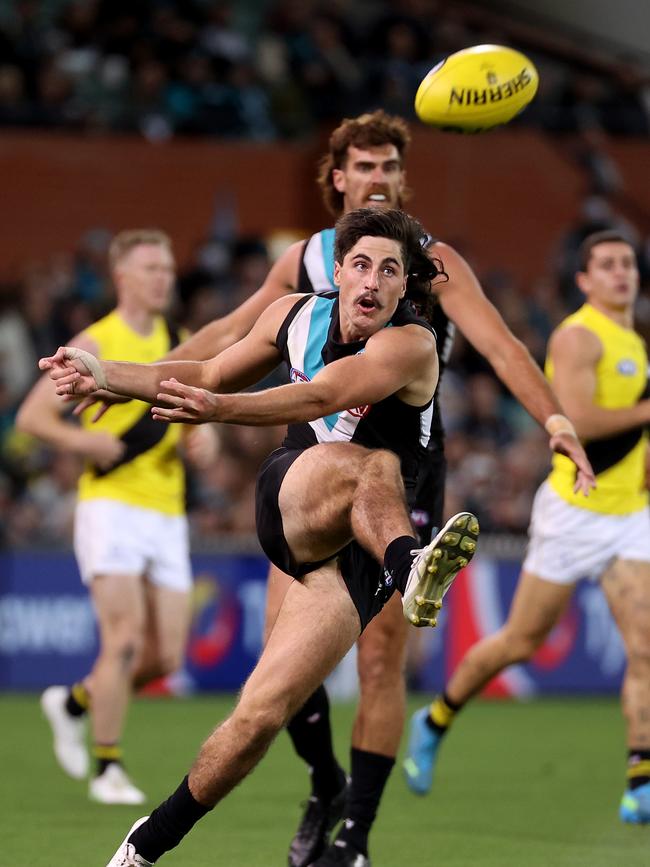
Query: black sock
x=168 y=824
x=398 y=560
x=441 y=713
x=370 y=772
x=311 y=735
x=638 y=768
x=78 y=700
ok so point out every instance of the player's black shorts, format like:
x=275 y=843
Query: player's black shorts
x=363 y=575
x=428 y=508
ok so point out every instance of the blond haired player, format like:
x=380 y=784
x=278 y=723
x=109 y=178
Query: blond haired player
x=131 y=538
x=598 y=366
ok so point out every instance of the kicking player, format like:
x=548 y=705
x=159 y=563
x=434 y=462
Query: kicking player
x=331 y=503
x=365 y=167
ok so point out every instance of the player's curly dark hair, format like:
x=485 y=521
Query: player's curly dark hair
x=606 y=236
x=398 y=226
x=365 y=131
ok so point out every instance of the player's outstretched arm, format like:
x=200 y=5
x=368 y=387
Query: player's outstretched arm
x=219 y=334
x=400 y=360
x=77 y=371
x=465 y=303
x=222 y=333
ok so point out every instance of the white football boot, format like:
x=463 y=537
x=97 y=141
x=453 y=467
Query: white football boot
x=436 y=565
x=69 y=732
x=113 y=786
x=126 y=855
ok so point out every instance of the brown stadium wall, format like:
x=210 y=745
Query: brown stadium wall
x=504 y=197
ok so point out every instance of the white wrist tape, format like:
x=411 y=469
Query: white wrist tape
x=92 y=364
x=556 y=424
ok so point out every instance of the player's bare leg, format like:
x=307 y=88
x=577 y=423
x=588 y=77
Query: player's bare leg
x=536 y=607
x=382 y=647
x=626 y=585
x=380 y=715
x=168 y=614
x=121 y=613
x=329 y=495
x=316 y=625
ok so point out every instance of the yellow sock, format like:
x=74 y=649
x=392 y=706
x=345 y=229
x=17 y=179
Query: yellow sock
x=440 y=714
x=107 y=752
x=81 y=695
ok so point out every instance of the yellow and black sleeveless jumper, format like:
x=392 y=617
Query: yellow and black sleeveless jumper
x=618 y=460
x=150 y=474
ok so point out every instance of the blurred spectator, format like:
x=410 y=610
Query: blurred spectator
x=263 y=70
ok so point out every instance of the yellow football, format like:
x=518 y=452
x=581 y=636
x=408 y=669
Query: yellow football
x=476 y=89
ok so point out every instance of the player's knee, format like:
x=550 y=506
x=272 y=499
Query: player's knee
x=124 y=649
x=638 y=655
x=520 y=646
x=380 y=665
x=259 y=723
x=382 y=463
x=169 y=661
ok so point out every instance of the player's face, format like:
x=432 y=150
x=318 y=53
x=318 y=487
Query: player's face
x=372 y=178
x=145 y=277
x=612 y=276
x=371 y=281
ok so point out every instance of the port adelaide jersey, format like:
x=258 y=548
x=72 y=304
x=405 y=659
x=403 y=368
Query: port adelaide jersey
x=316 y=274
x=308 y=340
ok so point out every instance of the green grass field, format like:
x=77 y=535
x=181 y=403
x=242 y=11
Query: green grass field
x=518 y=785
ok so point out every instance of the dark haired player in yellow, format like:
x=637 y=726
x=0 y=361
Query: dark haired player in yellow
x=598 y=367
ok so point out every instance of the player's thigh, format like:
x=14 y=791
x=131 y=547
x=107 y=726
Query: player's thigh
x=536 y=607
x=276 y=589
x=382 y=644
x=315 y=499
x=316 y=625
x=626 y=585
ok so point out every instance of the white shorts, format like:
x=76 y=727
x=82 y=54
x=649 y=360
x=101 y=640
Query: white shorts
x=567 y=543
x=113 y=538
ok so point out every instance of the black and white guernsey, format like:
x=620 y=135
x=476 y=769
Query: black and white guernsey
x=316 y=274
x=308 y=340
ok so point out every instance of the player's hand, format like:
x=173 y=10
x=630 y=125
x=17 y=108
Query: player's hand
x=185 y=403
x=201 y=445
x=102 y=449
x=102 y=399
x=74 y=371
x=568 y=444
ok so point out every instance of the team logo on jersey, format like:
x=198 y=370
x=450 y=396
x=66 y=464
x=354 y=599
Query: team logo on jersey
x=626 y=367
x=296 y=375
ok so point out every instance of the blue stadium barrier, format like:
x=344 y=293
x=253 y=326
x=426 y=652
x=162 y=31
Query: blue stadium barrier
x=48 y=635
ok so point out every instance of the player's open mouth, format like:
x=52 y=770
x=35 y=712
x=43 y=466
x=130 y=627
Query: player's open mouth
x=377 y=197
x=367 y=304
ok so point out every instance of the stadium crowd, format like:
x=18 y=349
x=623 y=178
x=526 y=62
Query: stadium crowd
x=268 y=70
